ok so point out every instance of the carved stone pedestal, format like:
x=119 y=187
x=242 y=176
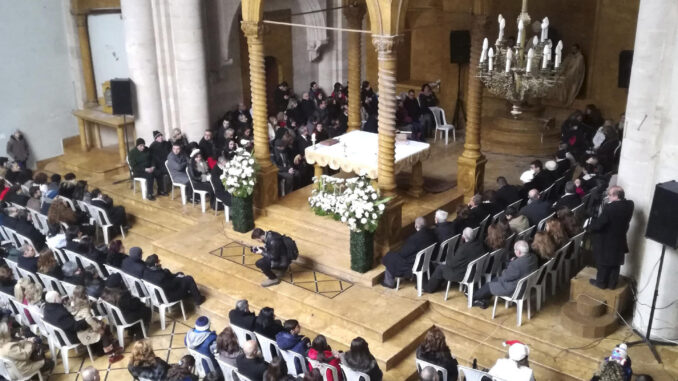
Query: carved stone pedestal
x=529 y=135
x=266 y=191
x=387 y=236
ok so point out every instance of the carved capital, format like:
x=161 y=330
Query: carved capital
x=386 y=45
x=354 y=14
x=252 y=29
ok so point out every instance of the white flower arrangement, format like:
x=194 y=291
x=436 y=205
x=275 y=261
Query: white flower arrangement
x=240 y=174
x=353 y=201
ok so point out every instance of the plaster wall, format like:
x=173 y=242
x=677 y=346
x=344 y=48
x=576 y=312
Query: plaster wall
x=38 y=92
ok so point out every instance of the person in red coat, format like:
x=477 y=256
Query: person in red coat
x=322 y=352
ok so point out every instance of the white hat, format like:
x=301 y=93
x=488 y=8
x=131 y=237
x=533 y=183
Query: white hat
x=551 y=165
x=517 y=351
x=527 y=176
x=195 y=152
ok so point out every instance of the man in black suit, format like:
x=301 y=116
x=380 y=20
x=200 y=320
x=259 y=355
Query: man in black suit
x=506 y=193
x=570 y=199
x=522 y=265
x=490 y=202
x=540 y=179
x=25 y=228
x=133 y=265
x=443 y=229
x=241 y=316
x=562 y=163
x=609 y=238
x=250 y=364
x=478 y=211
x=176 y=286
x=454 y=268
x=536 y=209
x=399 y=263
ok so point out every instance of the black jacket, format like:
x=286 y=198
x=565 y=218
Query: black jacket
x=536 y=211
x=444 y=230
x=301 y=143
x=276 y=251
x=133 y=267
x=28 y=263
x=57 y=315
x=477 y=215
x=159 y=152
x=609 y=233
x=399 y=263
x=155 y=373
x=207 y=149
x=251 y=368
x=164 y=279
x=242 y=319
x=269 y=331
x=455 y=268
x=115 y=259
x=443 y=359
x=569 y=200
x=29 y=231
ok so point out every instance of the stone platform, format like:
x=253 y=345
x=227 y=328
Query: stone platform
x=526 y=136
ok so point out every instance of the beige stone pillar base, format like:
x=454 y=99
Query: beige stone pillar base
x=387 y=236
x=470 y=175
x=266 y=190
x=417 y=180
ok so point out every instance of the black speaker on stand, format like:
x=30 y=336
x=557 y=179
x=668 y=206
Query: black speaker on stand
x=460 y=53
x=121 y=99
x=662 y=227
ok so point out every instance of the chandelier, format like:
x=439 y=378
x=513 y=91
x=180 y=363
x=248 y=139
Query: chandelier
x=524 y=72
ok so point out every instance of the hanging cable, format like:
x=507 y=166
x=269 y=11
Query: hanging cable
x=316 y=26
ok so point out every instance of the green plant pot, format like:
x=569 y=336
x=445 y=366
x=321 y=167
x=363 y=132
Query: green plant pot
x=242 y=214
x=362 y=251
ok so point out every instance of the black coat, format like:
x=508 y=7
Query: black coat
x=159 y=152
x=251 y=368
x=28 y=263
x=609 y=233
x=276 y=251
x=29 y=231
x=563 y=166
x=444 y=230
x=443 y=359
x=242 y=319
x=569 y=200
x=219 y=191
x=57 y=315
x=477 y=215
x=455 y=268
x=536 y=211
x=164 y=279
x=517 y=269
x=155 y=373
x=540 y=181
x=399 y=263
x=301 y=143
x=133 y=267
x=207 y=149
x=270 y=330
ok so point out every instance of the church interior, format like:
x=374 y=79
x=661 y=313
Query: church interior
x=87 y=81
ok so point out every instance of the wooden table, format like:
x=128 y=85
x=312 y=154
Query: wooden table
x=91 y=119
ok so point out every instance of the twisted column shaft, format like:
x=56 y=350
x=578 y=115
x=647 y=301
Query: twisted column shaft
x=255 y=46
x=386 y=53
x=354 y=15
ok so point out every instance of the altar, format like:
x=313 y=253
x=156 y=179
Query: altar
x=358 y=152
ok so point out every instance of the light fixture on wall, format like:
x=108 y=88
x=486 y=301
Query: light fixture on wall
x=524 y=72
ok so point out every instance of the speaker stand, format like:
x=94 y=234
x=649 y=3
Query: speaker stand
x=124 y=126
x=459 y=118
x=646 y=339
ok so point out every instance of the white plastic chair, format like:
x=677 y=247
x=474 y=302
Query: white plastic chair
x=137 y=288
x=289 y=357
x=226 y=369
x=60 y=341
x=546 y=193
x=22 y=316
x=421 y=364
x=475 y=271
x=422 y=264
x=471 y=374
x=200 y=361
x=269 y=348
x=68 y=287
x=9 y=370
x=14 y=267
x=520 y=294
x=497 y=216
x=515 y=204
x=201 y=193
x=27 y=274
x=243 y=334
x=442 y=125
x=141 y=180
x=37 y=220
x=574 y=259
x=446 y=250
x=52 y=284
x=353 y=375
x=497 y=258
x=324 y=368
x=23 y=240
x=483 y=227
x=68 y=202
x=525 y=234
x=239 y=376
x=542 y=224
x=182 y=187
x=217 y=201
x=556 y=269
x=103 y=222
x=83 y=261
x=539 y=284
x=159 y=300
x=117 y=319
x=114 y=270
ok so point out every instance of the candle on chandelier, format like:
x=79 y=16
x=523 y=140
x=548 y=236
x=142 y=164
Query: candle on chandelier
x=544 y=29
x=509 y=56
x=530 y=57
x=490 y=61
x=546 y=57
x=313 y=139
x=502 y=24
x=559 y=54
x=483 y=55
x=535 y=41
x=521 y=29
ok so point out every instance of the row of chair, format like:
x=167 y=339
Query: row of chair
x=464 y=373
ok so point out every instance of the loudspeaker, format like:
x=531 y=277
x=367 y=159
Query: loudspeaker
x=662 y=224
x=625 y=63
x=460 y=46
x=121 y=96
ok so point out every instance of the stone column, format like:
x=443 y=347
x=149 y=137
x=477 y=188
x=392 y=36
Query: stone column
x=354 y=16
x=143 y=66
x=189 y=60
x=471 y=163
x=648 y=157
x=386 y=51
x=267 y=180
x=86 y=58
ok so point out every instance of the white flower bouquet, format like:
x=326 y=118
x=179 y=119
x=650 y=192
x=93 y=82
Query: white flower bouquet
x=240 y=174
x=354 y=202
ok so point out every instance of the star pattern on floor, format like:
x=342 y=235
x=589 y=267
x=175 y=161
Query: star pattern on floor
x=300 y=276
